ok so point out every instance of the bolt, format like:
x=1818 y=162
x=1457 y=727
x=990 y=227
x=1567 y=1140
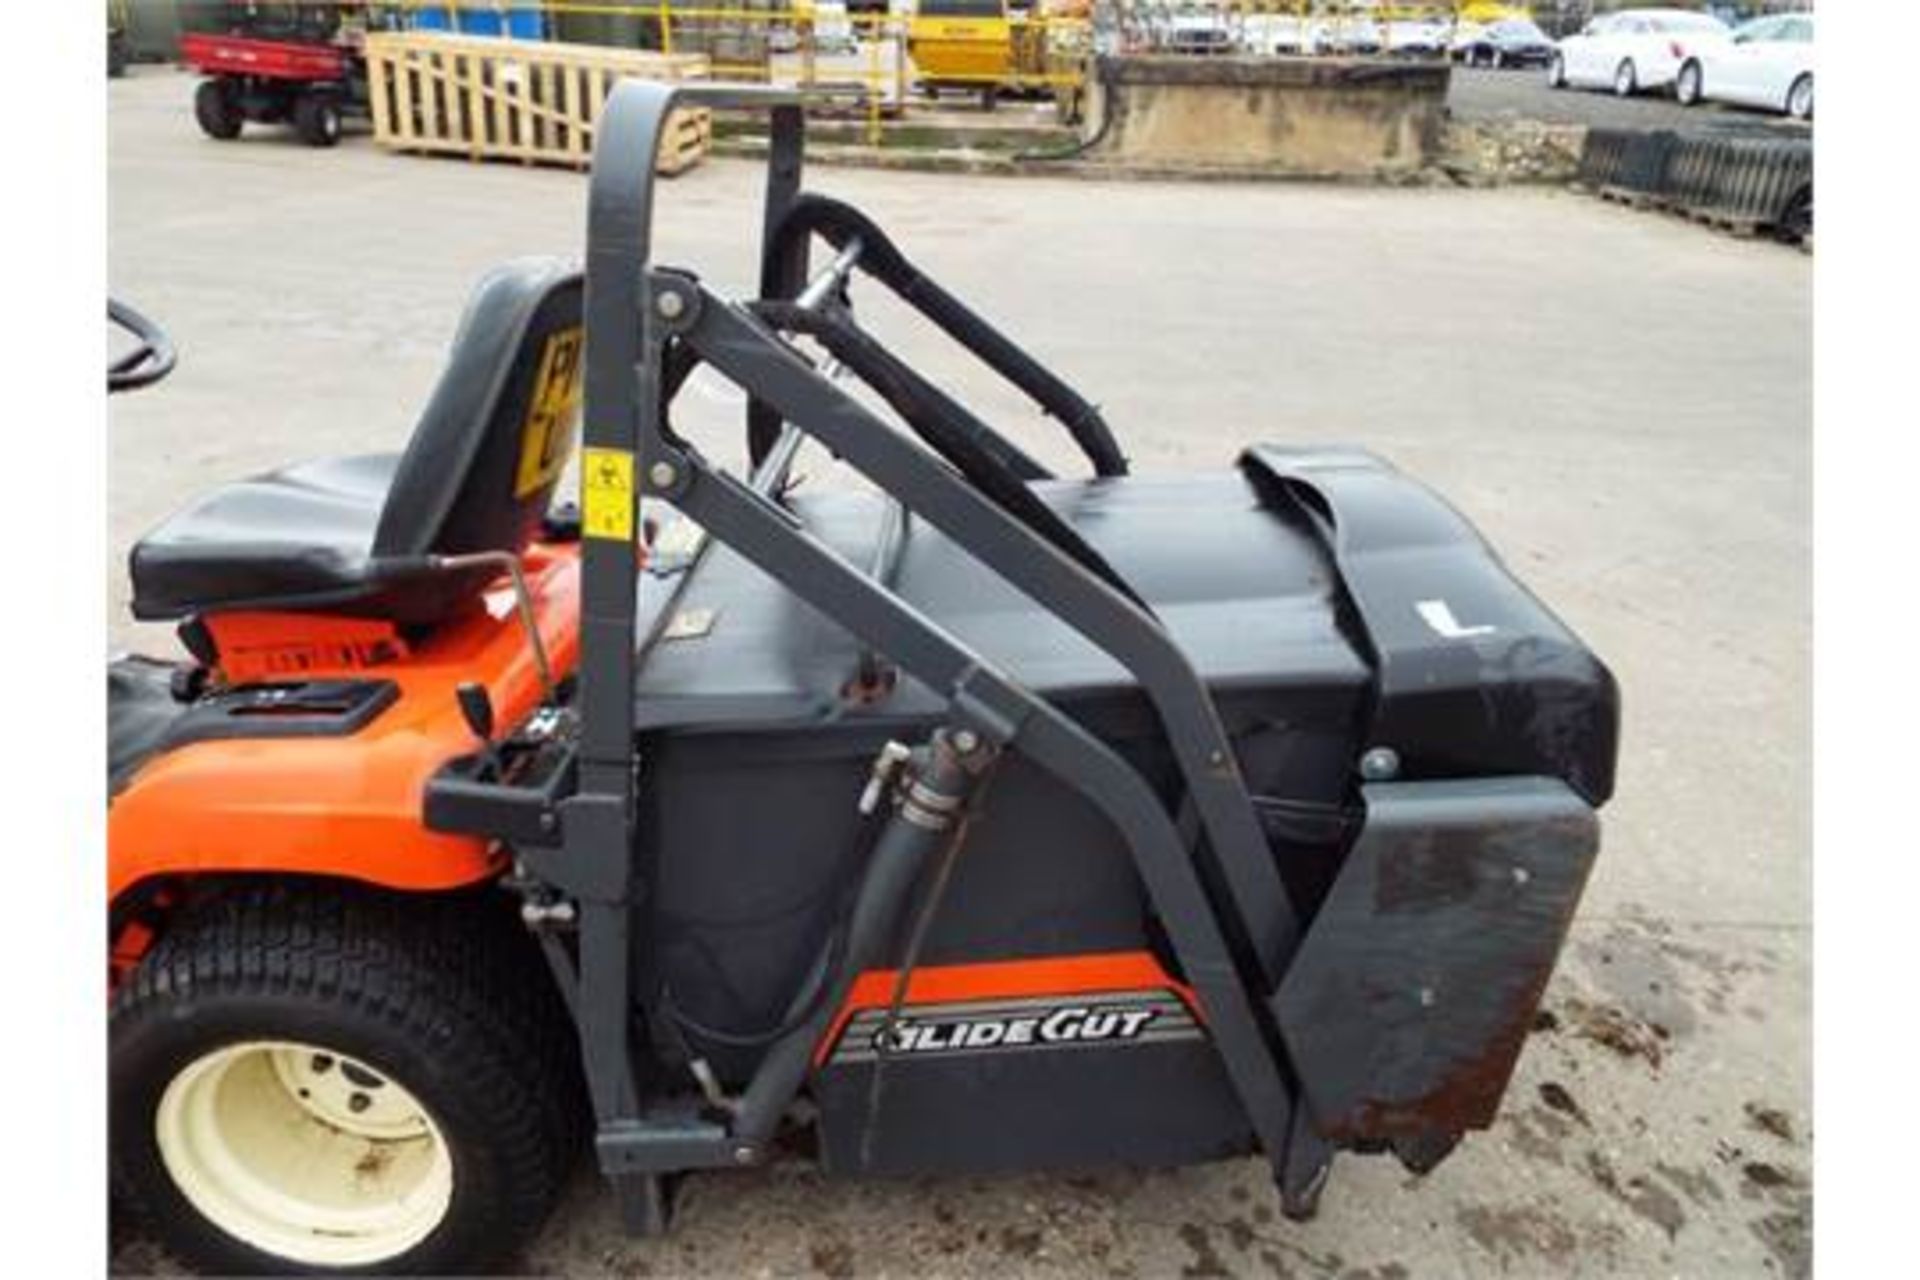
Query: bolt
x=965 y=741
x=669 y=304
x=1426 y=997
x=1521 y=875
x=743 y=1154
x=1380 y=764
x=661 y=474
x=358 y=1102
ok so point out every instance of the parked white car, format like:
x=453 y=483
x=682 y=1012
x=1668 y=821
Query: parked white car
x=1274 y=33
x=1346 y=34
x=1768 y=63
x=1416 y=37
x=1635 y=50
x=1194 y=27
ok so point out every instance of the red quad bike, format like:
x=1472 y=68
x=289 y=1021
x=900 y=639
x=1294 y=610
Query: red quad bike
x=980 y=820
x=304 y=68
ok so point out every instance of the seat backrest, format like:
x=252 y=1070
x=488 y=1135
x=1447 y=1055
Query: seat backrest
x=488 y=450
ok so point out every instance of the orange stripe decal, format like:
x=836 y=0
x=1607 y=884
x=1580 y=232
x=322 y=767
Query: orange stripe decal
x=1001 y=979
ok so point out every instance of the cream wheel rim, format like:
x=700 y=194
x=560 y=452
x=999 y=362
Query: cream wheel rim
x=305 y=1154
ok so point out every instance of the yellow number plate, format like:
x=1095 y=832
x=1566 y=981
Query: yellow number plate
x=547 y=437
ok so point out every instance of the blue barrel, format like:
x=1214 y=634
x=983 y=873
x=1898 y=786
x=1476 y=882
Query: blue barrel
x=521 y=19
x=526 y=20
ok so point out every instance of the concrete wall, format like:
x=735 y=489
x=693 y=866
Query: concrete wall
x=1318 y=116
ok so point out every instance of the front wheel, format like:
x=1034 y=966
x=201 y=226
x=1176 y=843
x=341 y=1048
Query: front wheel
x=1687 y=85
x=316 y=119
x=218 y=111
x=1800 y=98
x=307 y=1079
x=1625 y=81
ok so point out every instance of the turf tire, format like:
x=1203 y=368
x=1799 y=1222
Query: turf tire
x=316 y=119
x=445 y=994
x=219 y=115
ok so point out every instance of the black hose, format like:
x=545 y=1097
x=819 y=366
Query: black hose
x=1102 y=68
x=976 y=451
x=841 y=223
x=903 y=978
x=819 y=981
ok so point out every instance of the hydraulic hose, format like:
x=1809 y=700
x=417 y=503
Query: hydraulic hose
x=840 y=224
x=922 y=824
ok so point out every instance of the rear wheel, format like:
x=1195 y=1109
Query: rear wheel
x=217 y=110
x=1800 y=98
x=1687 y=85
x=1625 y=80
x=307 y=1079
x=316 y=118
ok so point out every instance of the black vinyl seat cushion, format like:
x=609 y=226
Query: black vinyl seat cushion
x=299 y=537
x=358 y=535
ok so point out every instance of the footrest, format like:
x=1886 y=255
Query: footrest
x=512 y=794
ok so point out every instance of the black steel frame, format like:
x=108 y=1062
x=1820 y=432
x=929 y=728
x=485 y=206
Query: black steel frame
x=1233 y=946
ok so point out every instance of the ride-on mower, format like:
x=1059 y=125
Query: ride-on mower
x=984 y=819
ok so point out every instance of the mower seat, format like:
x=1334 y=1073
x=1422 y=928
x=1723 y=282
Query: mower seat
x=351 y=535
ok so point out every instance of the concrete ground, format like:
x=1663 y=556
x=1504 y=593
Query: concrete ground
x=1620 y=401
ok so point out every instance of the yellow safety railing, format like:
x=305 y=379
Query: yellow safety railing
x=1048 y=48
x=868 y=53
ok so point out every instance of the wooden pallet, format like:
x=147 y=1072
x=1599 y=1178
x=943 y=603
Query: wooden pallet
x=1742 y=226
x=1629 y=197
x=488 y=98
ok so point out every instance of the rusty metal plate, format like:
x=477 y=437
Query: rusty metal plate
x=1412 y=994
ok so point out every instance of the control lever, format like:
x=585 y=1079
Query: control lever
x=523 y=604
x=476 y=708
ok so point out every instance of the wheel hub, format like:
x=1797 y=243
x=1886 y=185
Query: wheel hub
x=305 y=1154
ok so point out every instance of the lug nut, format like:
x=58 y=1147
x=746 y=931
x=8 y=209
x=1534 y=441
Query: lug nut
x=670 y=304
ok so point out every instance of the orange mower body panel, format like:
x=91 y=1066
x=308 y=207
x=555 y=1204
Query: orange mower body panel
x=347 y=806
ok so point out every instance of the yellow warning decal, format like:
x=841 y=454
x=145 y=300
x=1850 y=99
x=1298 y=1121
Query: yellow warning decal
x=547 y=437
x=606 y=494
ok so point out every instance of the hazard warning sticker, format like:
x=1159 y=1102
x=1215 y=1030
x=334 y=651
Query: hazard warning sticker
x=606 y=494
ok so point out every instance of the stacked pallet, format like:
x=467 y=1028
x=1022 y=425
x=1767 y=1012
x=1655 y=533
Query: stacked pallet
x=1750 y=182
x=532 y=101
